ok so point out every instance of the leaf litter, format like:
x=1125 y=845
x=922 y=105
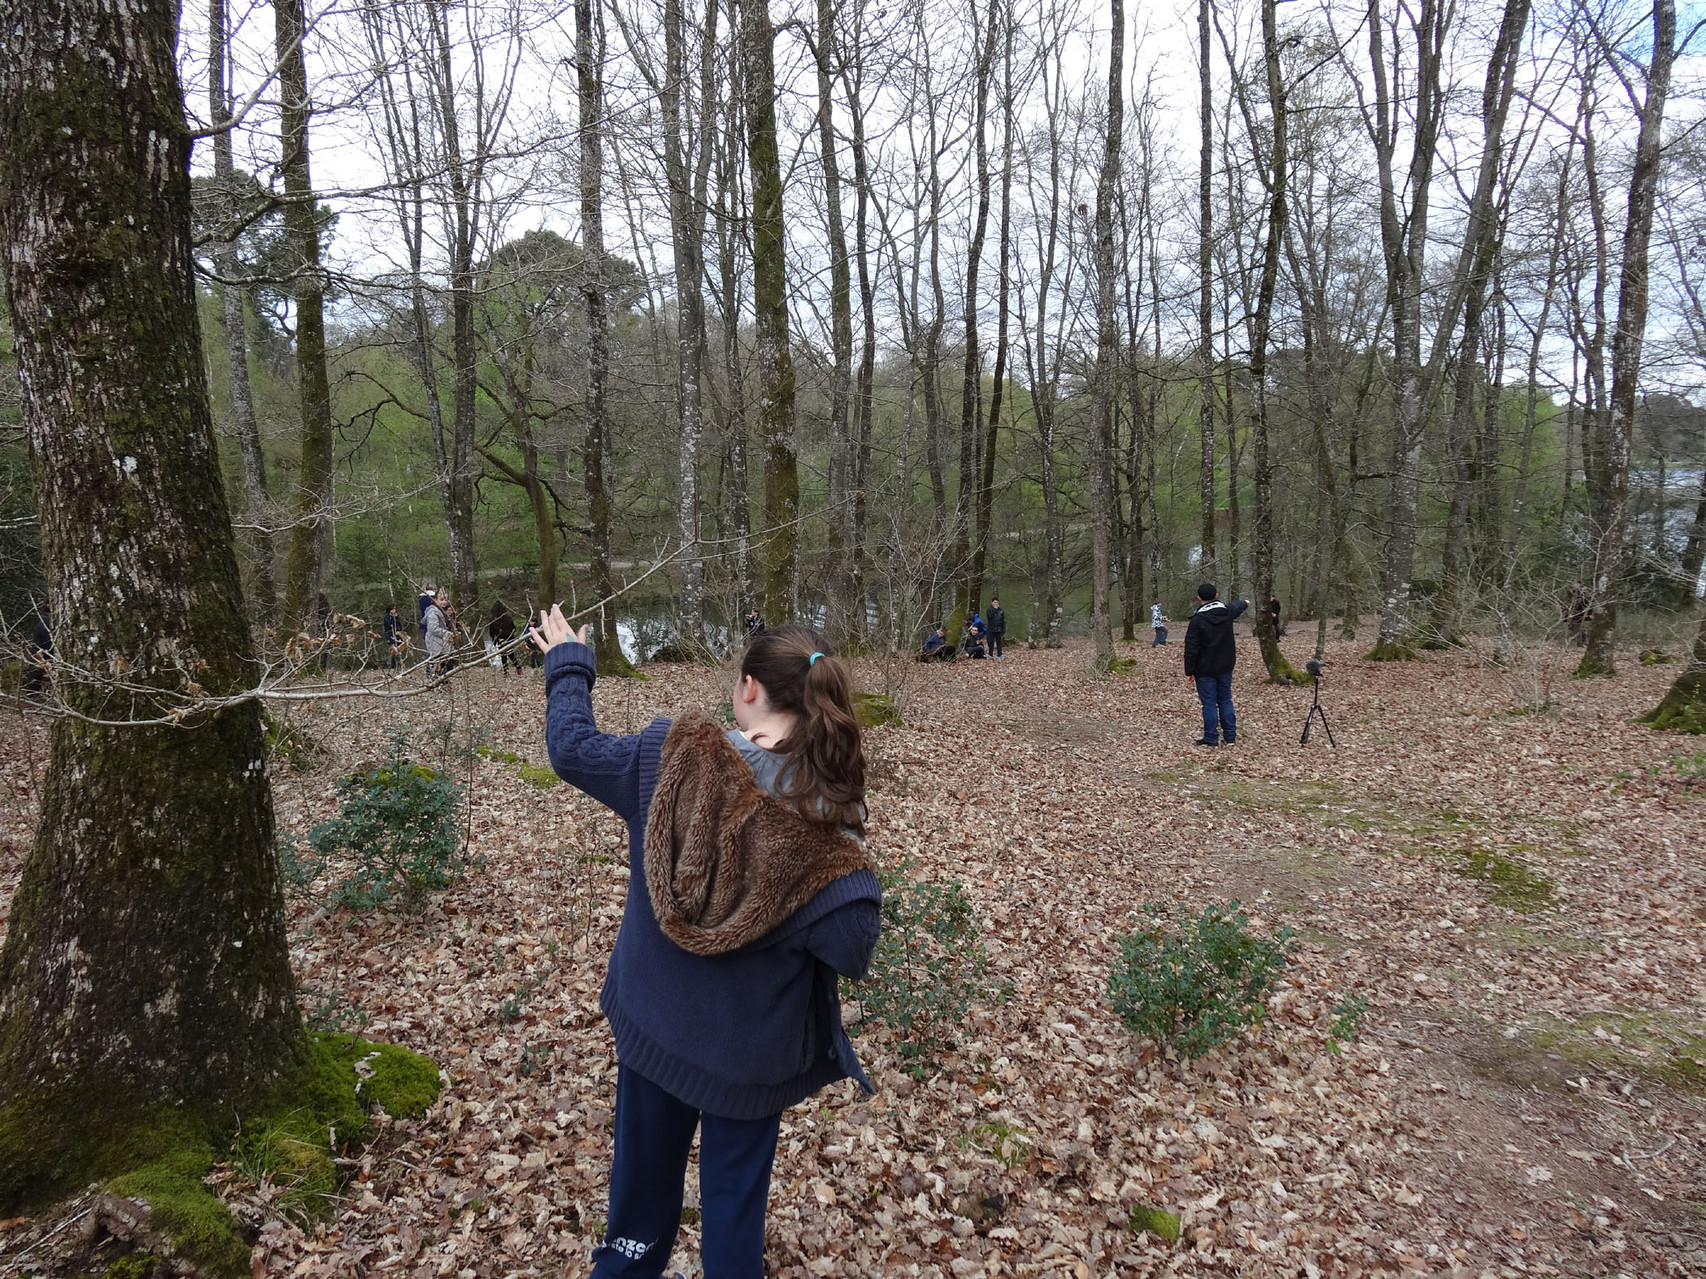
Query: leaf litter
x=1523 y=1095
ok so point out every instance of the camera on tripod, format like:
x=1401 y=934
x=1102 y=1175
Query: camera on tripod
x=1316 y=671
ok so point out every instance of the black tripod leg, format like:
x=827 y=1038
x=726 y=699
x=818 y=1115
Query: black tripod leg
x=1324 y=724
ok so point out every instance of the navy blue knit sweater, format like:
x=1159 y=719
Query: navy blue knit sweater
x=742 y=1035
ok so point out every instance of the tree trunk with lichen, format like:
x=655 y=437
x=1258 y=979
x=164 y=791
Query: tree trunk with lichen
x=145 y=965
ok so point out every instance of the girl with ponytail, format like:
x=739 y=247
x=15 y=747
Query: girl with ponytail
x=749 y=895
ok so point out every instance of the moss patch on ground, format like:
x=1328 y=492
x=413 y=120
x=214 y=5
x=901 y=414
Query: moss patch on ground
x=322 y=1105
x=1157 y=1221
x=1514 y=884
x=1663 y=1047
x=535 y=775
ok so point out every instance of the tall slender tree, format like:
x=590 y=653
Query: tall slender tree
x=1608 y=473
x=595 y=448
x=770 y=305
x=231 y=310
x=1107 y=345
x=1205 y=287
x=311 y=532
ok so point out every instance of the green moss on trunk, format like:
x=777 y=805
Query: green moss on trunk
x=1392 y=651
x=1684 y=707
x=874 y=710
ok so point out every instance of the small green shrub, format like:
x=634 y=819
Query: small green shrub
x=399 y=821
x=1198 y=983
x=929 y=966
x=1347 y=1022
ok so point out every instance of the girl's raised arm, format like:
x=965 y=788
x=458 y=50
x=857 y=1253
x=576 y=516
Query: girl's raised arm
x=601 y=765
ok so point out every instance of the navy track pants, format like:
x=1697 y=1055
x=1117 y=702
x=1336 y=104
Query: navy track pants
x=654 y=1132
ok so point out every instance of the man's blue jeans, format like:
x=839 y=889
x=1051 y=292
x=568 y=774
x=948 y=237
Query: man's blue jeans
x=1160 y=636
x=1215 y=693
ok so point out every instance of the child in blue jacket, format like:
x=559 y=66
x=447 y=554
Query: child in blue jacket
x=749 y=895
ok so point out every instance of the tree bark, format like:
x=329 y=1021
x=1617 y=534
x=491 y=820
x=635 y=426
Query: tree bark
x=770 y=305
x=312 y=530
x=1107 y=345
x=226 y=265
x=145 y=966
x=1610 y=497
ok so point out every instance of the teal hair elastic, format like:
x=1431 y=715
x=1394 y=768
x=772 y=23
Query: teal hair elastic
x=814 y=658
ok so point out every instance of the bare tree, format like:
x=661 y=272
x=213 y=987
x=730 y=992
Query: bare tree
x=230 y=292
x=595 y=448
x=311 y=532
x=1107 y=344
x=770 y=305
x=1607 y=469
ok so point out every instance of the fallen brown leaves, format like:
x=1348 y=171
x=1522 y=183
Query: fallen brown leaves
x=1510 y=1107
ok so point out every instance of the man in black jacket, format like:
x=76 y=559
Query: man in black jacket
x=1210 y=654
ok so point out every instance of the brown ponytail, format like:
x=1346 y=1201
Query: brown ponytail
x=825 y=772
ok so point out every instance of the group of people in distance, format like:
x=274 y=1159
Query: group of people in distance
x=1211 y=652
x=442 y=632
x=979 y=638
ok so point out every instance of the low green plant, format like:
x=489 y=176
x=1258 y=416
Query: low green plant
x=398 y=820
x=1010 y=1146
x=929 y=965
x=1690 y=766
x=1199 y=982
x=1347 y=1022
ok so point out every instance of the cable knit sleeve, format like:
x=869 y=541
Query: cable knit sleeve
x=605 y=767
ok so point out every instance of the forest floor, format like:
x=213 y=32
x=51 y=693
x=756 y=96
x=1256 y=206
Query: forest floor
x=1517 y=894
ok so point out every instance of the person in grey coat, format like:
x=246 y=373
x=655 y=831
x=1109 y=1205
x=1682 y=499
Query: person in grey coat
x=437 y=622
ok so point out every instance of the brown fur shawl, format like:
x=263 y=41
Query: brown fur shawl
x=726 y=861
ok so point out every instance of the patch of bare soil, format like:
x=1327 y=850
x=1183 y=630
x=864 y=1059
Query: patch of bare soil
x=1516 y=898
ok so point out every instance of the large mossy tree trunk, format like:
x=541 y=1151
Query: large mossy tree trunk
x=770 y=307
x=311 y=533
x=146 y=964
x=1684 y=707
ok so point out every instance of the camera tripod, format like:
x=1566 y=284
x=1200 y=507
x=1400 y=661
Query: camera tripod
x=1315 y=708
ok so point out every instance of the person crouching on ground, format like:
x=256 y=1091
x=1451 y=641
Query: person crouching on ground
x=750 y=894
x=1211 y=652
